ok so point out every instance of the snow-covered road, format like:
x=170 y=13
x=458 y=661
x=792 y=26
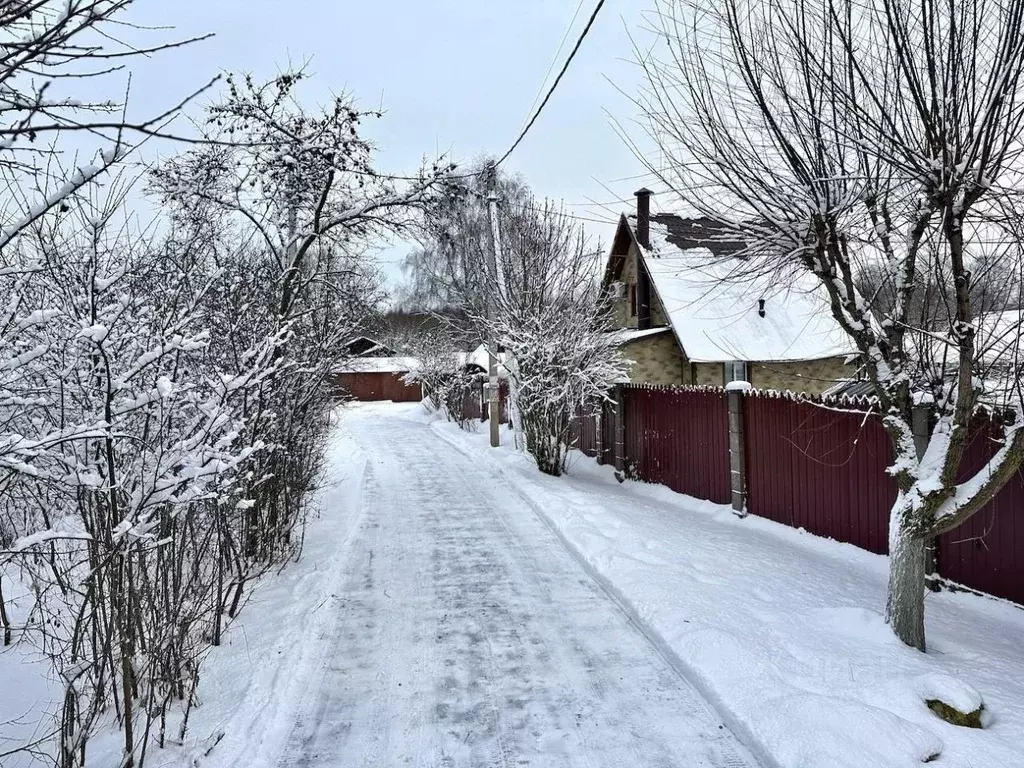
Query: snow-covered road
x=436 y=618
x=463 y=633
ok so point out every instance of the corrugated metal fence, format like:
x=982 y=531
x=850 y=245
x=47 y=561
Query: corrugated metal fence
x=679 y=438
x=819 y=467
x=987 y=552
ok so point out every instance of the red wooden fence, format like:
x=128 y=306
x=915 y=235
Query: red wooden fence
x=583 y=431
x=607 y=434
x=809 y=465
x=475 y=405
x=679 y=438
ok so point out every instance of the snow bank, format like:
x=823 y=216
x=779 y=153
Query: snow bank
x=782 y=630
x=812 y=731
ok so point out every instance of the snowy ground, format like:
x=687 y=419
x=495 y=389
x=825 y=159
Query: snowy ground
x=455 y=608
x=782 y=631
x=461 y=632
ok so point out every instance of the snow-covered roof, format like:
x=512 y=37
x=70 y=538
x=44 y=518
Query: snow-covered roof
x=629 y=335
x=371 y=347
x=713 y=304
x=999 y=338
x=480 y=358
x=378 y=365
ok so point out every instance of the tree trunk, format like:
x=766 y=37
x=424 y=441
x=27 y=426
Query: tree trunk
x=904 y=611
x=5 y=623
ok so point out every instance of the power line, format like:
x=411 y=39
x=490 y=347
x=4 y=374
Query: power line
x=594 y=204
x=559 y=212
x=533 y=119
x=554 y=59
x=540 y=109
x=561 y=74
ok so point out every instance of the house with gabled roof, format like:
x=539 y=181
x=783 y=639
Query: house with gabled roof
x=366 y=346
x=692 y=307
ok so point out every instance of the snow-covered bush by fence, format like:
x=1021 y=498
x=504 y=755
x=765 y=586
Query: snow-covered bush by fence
x=441 y=370
x=527 y=279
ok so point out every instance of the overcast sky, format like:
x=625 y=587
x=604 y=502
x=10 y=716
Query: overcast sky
x=455 y=76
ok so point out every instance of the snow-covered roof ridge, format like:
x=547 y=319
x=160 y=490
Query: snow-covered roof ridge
x=723 y=307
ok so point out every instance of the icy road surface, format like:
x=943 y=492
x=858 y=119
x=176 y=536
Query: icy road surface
x=465 y=634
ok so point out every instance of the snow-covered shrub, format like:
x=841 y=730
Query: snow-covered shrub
x=120 y=518
x=562 y=364
x=164 y=405
x=526 y=278
x=442 y=372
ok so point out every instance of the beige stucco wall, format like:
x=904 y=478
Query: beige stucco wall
x=810 y=376
x=656 y=360
x=709 y=374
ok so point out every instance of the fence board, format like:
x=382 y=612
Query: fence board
x=679 y=438
x=607 y=433
x=987 y=552
x=583 y=431
x=819 y=469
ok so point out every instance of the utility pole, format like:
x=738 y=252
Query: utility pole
x=494 y=397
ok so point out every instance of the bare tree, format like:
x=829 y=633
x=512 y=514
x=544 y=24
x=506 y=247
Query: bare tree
x=50 y=52
x=842 y=134
x=163 y=408
x=448 y=270
x=537 y=298
x=300 y=188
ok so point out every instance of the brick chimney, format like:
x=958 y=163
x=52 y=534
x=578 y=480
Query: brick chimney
x=643 y=216
x=643 y=279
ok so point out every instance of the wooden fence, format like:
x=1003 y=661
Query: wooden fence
x=475 y=404
x=817 y=466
